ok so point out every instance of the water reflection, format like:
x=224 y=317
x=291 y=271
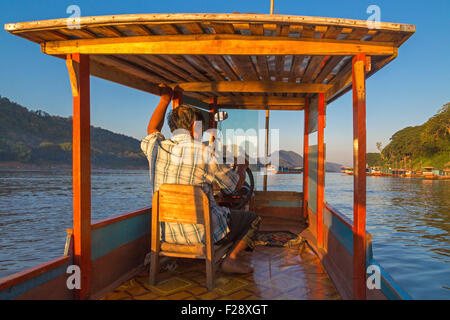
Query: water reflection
x=409 y=218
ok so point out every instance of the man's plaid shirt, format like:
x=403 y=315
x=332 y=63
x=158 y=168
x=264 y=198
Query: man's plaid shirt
x=183 y=160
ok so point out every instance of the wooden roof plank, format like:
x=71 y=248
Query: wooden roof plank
x=295 y=69
x=83 y=33
x=128 y=67
x=169 y=29
x=224 y=66
x=207 y=67
x=313 y=64
x=263 y=68
x=332 y=32
x=329 y=66
x=163 y=62
x=246 y=68
x=137 y=29
x=357 y=34
x=194 y=28
x=223 y=28
x=157 y=66
x=186 y=65
x=109 y=31
x=111 y=73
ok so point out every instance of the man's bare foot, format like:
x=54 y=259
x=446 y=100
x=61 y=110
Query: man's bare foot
x=234 y=266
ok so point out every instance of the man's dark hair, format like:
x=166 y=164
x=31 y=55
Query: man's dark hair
x=182 y=117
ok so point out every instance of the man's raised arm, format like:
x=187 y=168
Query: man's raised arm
x=157 y=120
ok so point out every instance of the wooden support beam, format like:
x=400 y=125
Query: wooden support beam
x=78 y=66
x=260 y=101
x=253 y=87
x=305 y=159
x=217 y=44
x=320 y=167
x=359 y=182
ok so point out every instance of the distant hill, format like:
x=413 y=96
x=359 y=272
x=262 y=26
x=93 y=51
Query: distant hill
x=291 y=159
x=424 y=145
x=35 y=137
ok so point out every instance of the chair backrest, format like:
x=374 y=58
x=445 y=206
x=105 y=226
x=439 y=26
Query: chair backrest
x=181 y=204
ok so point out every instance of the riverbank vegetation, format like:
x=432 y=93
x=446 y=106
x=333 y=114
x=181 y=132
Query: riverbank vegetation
x=419 y=146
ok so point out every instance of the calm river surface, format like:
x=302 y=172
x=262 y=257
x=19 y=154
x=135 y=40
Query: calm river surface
x=408 y=218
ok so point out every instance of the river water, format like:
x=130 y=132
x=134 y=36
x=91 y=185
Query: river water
x=409 y=218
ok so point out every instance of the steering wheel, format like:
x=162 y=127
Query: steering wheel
x=241 y=197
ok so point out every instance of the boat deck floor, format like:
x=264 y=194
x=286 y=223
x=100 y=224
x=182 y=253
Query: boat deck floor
x=280 y=273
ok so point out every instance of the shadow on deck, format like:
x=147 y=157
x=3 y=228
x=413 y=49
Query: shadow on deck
x=279 y=274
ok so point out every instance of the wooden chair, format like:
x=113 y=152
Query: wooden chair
x=184 y=204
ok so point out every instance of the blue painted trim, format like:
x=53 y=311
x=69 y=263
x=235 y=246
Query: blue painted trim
x=312 y=178
x=344 y=235
x=112 y=236
x=29 y=284
x=339 y=230
x=389 y=287
x=285 y=204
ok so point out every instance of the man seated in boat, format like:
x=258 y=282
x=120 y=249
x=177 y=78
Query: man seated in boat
x=181 y=160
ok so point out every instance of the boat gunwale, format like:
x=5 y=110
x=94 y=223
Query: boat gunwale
x=29 y=273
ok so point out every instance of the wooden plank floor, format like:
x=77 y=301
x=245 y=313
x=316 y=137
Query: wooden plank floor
x=279 y=274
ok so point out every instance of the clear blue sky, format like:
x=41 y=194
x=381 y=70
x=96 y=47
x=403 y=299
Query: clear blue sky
x=405 y=93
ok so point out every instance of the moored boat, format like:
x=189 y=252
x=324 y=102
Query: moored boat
x=375 y=171
x=347 y=170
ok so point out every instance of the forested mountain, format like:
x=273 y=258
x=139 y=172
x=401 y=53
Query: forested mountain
x=424 y=145
x=35 y=137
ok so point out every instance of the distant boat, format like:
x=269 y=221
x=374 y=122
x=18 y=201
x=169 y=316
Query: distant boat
x=433 y=173
x=399 y=172
x=284 y=170
x=347 y=170
x=374 y=171
x=413 y=173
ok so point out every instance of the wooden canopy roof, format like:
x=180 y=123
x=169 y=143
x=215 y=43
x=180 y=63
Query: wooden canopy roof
x=253 y=61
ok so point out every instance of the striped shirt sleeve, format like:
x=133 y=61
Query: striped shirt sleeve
x=148 y=142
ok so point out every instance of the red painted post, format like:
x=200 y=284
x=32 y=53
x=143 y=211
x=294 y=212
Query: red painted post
x=320 y=167
x=177 y=98
x=359 y=164
x=78 y=65
x=212 y=123
x=267 y=149
x=305 y=160
x=212 y=111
